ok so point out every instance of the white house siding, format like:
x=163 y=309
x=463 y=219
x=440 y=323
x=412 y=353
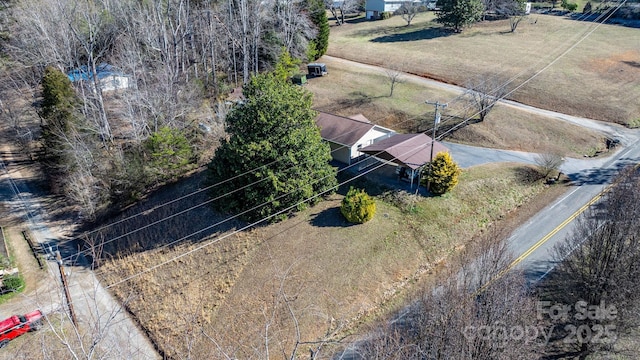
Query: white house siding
x=376 y=133
x=113 y=82
x=392 y=6
x=373 y=8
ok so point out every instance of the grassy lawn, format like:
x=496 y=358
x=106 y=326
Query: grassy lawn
x=314 y=268
x=367 y=92
x=597 y=78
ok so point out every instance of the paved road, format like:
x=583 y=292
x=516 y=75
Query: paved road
x=536 y=238
x=589 y=176
x=533 y=242
x=98 y=312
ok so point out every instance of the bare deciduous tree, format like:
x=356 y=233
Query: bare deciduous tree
x=485 y=91
x=598 y=265
x=394 y=77
x=342 y=7
x=549 y=162
x=408 y=11
x=468 y=315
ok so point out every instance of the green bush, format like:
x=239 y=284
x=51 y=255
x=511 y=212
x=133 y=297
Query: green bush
x=169 y=151
x=569 y=6
x=358 y=206
x=635 y=123
x=385 y=15
x=13 y=283
x=443 y=175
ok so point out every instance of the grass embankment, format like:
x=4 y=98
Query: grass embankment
x=599 y=78
x=366 y=91
x=315 y=267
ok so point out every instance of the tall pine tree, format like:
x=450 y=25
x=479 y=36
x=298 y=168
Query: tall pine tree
x=275 y=157
x=318 y=15
x=58 y=111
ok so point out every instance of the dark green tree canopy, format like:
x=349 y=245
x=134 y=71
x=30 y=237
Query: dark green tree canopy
x=318 y=15
x=59 y=112
x=274 y=154
x=458 y=14
x=59 y=100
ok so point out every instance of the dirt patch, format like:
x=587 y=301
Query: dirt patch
x=623 y=67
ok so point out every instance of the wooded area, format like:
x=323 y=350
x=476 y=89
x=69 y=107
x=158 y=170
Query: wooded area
x=171 y=64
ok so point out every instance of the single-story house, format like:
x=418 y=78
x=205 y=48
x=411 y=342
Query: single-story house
x=347 y=135
x=410 y=152
x=374 y=8
x=109 y=78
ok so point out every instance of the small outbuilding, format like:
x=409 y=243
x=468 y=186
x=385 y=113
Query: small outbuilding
x=108 y=77
x=317 y=69
x=299 y=79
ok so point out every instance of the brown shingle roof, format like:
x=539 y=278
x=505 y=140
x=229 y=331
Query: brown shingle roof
x=340 y=129
x=410 y=150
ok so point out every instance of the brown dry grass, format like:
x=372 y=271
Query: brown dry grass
x=599 y=78
x=327 y=274
x=349 y=90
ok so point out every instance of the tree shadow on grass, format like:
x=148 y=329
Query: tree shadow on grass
x=632 y=63
x=356 y=99
x=356 y=19
x=420 y=34
x=331 y=217
x=527 y=175
x=168 y=217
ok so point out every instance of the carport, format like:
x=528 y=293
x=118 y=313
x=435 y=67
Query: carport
x=410 y=151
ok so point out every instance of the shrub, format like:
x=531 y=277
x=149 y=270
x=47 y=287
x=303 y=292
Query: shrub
x=569 y=6
x=385 y=15
x=443 y=175
x=170 y=152
x=358 y=206
x=587 y=8
x=635 y=123
x=548 y=163
x=13 y=283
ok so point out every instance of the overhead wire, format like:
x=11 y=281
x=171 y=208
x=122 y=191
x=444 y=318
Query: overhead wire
x=445 y=118
x=306 y=200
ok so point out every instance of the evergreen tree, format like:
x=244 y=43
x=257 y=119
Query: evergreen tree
x=274 y=154
x=169 y=152
x=286 y=66
x=58 y=111
x=318 y=14
x=458 y=14
x=443 y=175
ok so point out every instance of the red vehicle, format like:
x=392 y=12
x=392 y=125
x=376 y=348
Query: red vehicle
x=17 y=325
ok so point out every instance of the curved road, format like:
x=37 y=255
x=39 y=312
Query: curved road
x=532 y=241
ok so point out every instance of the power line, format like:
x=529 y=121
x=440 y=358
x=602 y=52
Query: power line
x=253 y=170
x=540 y=71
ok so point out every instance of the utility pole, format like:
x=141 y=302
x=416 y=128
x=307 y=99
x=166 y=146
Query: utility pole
x=65 y=285
x=436 y=121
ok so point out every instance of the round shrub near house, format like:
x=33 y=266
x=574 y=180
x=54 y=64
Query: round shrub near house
x=358 y=207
